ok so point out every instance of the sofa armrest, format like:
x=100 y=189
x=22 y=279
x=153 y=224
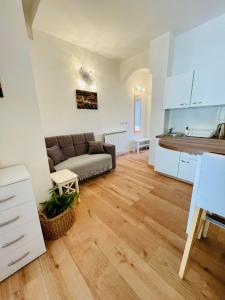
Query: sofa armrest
x=111 y=149
x=51 y=165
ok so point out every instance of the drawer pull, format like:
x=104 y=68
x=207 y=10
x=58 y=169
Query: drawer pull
x=13 y=242
x=10 y=221
x=7 y=199
x=13 y=262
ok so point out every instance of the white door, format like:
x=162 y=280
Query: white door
x=178 y=91
x=187 y=167
x=208 y=88
x=166 y=161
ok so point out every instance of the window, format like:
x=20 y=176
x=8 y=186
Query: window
x=137 y=113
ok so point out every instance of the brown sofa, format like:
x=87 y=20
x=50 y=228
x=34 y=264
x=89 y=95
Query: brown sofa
x=75 y=149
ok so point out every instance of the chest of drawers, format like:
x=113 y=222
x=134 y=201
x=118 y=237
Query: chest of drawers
x=21 y=238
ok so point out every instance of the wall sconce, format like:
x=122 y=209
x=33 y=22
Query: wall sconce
x=86 y=75
x=87 y=79
x=139 y=89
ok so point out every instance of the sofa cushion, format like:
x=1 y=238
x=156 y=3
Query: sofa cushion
x=51 y=141
x=66 y=144
x=95 y=147
x=89 y=137
x=87 y=165
x=80 y=144
x=56 y=154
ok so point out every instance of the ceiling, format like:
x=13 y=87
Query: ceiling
x=121 y=28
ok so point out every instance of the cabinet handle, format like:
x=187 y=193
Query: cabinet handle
x=186 y=162
x=200 y=102
x=13 y=242
x=7 y=199
x=10 y=221
x=13 y=262
x=194 y=102
x=181 y=104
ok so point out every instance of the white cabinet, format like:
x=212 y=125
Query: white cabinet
x=177 y=164
x=21 y=238
x=166 y=161
x=208 y=88
x=187 y=167
x=178 y=91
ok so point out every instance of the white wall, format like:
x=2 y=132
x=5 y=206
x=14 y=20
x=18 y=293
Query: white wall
x=160 y=55
x=21 y=138
x=56 y=68
x=199 y=49
x=131 y=64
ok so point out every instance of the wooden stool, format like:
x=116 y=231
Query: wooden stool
x=208 y=200
x=65 y=181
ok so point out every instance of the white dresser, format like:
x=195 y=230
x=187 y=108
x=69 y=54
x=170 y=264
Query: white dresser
x=21 y=238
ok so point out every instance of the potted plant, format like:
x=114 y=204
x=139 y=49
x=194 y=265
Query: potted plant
x=57 y=214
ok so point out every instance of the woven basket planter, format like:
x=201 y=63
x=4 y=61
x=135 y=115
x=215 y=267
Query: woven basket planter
x=54 y=228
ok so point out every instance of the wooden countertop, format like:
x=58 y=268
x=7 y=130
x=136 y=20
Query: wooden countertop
x=192 y=144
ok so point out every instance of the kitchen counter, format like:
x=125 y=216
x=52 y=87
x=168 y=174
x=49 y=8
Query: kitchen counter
x=193 y=145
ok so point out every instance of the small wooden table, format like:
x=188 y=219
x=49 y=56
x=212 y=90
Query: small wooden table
x=140 y=143
x=66 y=181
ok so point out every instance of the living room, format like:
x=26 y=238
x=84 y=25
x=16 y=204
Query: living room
x=126 y=236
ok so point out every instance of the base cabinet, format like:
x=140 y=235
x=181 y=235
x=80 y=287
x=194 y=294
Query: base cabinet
x=166 y=161
x=177 y=164
x=187 y=167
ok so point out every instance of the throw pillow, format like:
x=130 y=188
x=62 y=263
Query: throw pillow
x=56 y=154
x=95 y=147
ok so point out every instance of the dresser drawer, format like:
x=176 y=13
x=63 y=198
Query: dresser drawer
x=16 y=238
x=10 y=219
x=15 y=194
x=12 y=262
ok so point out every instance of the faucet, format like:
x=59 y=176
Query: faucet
x=170 y=130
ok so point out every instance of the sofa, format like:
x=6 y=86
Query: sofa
x=73 y=154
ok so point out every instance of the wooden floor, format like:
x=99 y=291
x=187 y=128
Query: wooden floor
x=127 y=243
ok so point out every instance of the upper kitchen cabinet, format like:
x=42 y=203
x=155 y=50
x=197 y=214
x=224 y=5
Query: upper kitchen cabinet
x=178 y=91
x=208 y=88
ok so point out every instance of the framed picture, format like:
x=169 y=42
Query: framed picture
x=1 y=92
x=86 y=100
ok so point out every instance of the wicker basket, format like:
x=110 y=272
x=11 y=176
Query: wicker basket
x=54 y=228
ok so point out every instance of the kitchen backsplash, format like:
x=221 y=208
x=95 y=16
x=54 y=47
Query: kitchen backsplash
x=202 y=118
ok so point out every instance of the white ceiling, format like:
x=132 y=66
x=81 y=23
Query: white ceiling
x=121 y=28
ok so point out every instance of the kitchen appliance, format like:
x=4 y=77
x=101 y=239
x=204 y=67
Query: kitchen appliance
x=220 y=131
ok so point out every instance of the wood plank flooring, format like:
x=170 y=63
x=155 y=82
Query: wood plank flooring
x=127 y=243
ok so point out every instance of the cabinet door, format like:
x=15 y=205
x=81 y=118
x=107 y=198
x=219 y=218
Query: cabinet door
x=178 y=91
x=187 y=168
x=166 y=161
x=208 y=88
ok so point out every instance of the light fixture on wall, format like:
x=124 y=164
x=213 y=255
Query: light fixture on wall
x=86 y=75
x=86 y=80
x=139 y=89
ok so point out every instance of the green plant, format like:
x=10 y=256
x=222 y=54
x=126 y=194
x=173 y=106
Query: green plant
x=57 y=204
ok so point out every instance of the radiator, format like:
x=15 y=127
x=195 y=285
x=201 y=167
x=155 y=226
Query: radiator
x=119 y=139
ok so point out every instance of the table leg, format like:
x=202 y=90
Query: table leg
x=60 y=189
x=77 y=187
x=138 y=147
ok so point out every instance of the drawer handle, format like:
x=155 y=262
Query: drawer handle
x=186 y=162
x=13 y=242
x=7 y=199
x=13 y=262
x=10 y=221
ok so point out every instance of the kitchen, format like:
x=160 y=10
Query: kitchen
x=188 y=95
x=195 y=102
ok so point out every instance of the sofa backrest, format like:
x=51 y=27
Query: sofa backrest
x=71 y=145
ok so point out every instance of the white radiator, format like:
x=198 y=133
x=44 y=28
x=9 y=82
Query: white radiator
x=119 y=139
